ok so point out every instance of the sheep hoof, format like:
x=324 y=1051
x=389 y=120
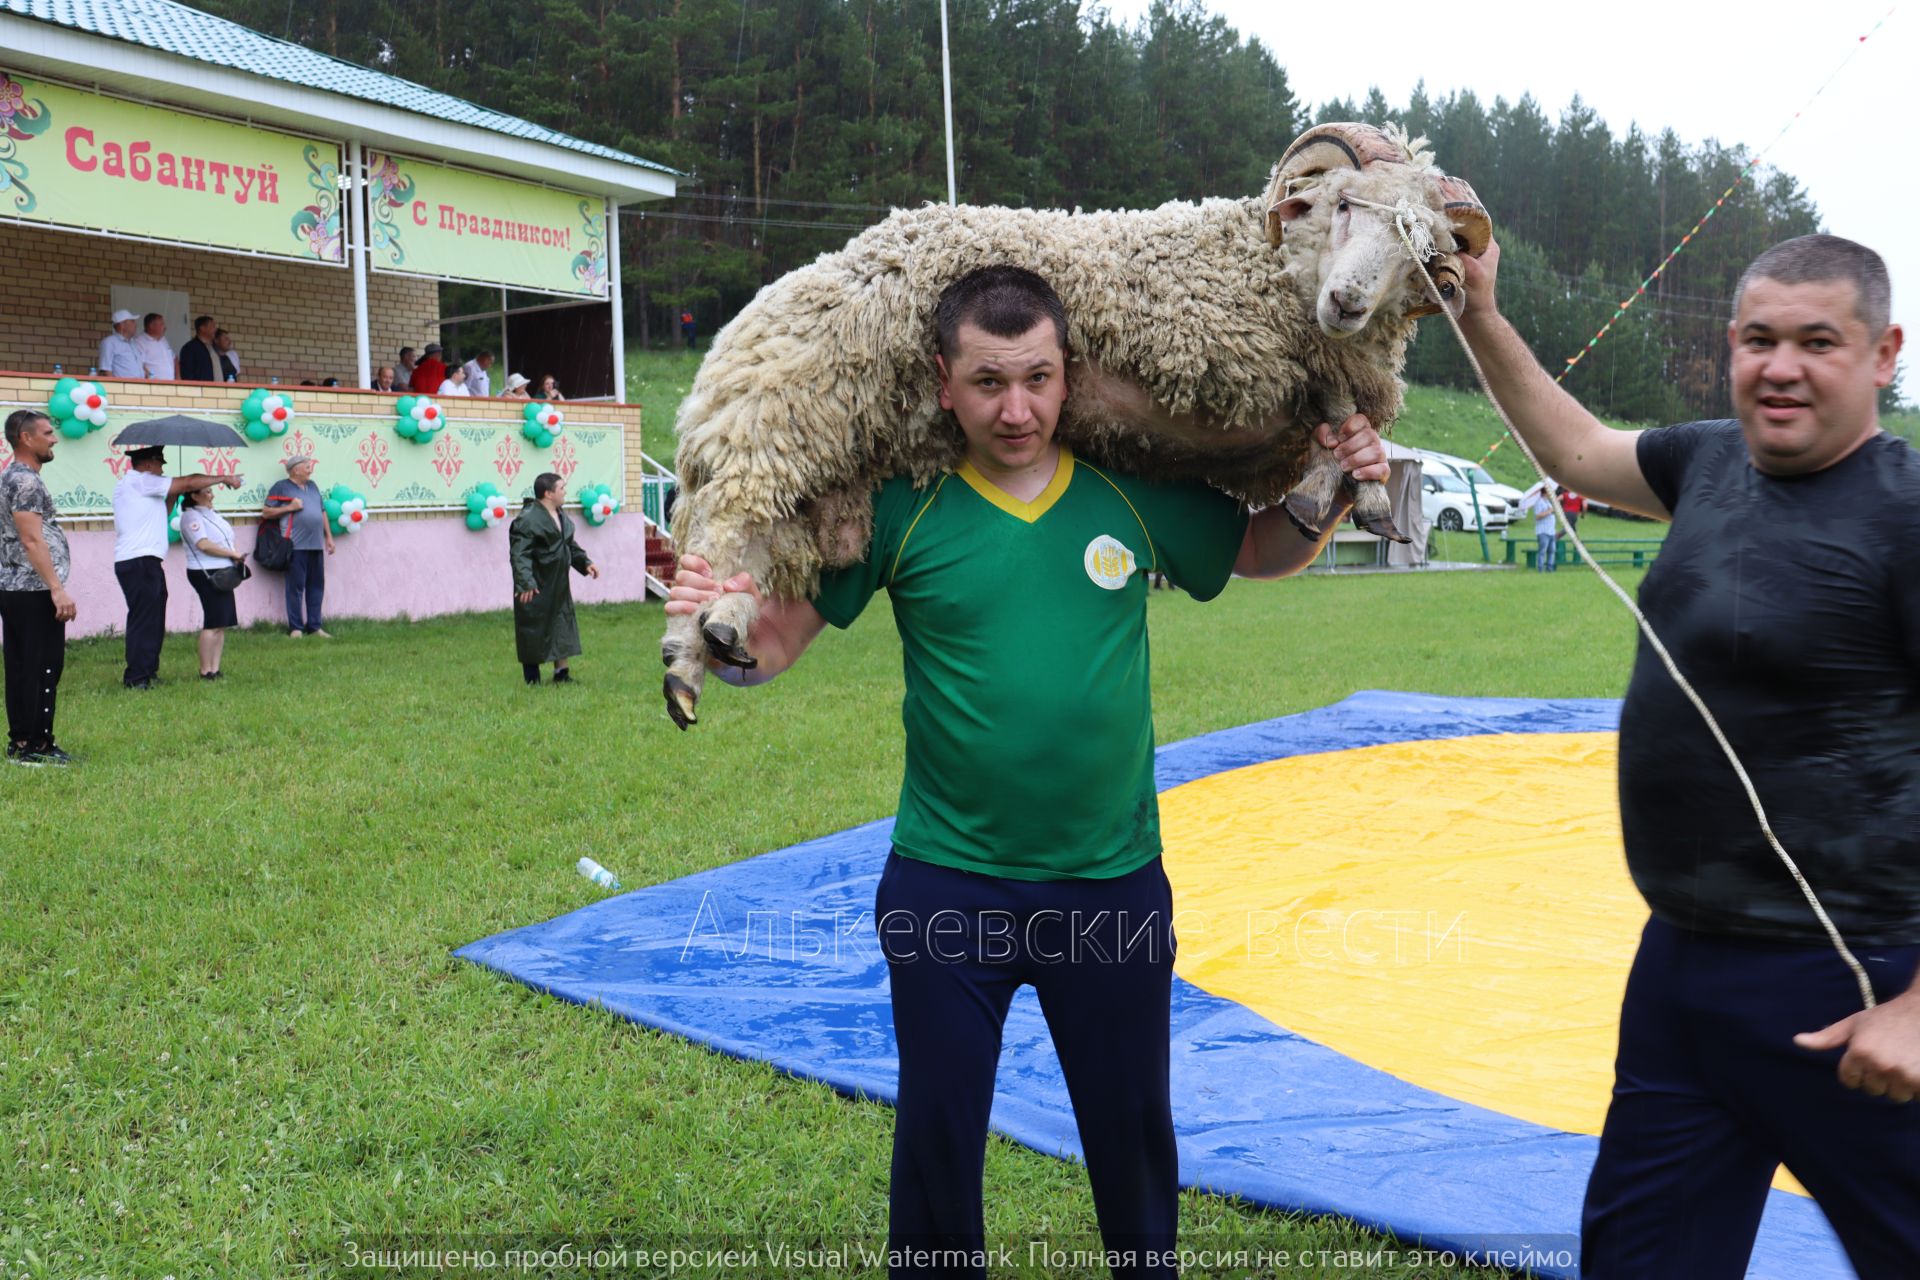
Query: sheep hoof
x=680 y=701
x=1379 y=525
x=723 y=642
x=1305 y=517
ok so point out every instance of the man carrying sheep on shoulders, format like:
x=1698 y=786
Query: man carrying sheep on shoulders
x=1787 y=597
x=1027 y=847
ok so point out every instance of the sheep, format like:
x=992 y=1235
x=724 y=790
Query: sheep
x=1208 y=340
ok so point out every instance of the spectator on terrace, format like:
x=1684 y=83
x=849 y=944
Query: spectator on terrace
x=119 y=352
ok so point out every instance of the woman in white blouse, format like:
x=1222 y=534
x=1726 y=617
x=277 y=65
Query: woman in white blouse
x=209 y=542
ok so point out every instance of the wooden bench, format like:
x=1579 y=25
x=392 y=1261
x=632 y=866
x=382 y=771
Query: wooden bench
x=1635 y=553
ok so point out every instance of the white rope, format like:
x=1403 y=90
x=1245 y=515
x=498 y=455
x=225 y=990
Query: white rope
x=1407 y=222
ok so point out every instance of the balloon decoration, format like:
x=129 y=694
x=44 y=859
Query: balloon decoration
x=173 y=520
x=77 y=407
x=597 y=502
x=267 y=413
x=418 y=418
x=486 y=506
x=543 y=423
x=346 y=510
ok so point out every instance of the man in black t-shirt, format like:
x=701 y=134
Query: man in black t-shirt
x=1785 y=595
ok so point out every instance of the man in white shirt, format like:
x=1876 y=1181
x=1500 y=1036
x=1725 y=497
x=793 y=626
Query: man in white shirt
x=156 y=357
x=142 y=504
x=1542 y=506
x=479 y=383
x=119 y=356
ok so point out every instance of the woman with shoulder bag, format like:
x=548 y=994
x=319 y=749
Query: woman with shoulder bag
x=214 y=570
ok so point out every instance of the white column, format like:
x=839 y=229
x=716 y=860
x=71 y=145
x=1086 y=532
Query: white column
x=946 y=99
x=357 y=255
x=613 y=294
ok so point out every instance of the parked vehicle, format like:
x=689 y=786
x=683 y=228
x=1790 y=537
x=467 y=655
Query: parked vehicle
x=1449 y=503
x=1483 y=483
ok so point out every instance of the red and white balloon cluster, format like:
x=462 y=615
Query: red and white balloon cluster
x=486 y=506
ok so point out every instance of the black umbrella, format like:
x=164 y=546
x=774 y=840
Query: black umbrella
x=179 y=429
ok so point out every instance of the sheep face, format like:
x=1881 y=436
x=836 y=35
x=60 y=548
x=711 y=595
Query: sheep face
x=1351 y=254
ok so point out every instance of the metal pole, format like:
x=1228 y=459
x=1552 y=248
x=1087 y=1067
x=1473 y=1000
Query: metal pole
x=946 y=95
x=356 y=250
x=619 y=314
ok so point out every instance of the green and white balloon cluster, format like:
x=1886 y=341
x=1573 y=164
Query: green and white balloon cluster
x=486 y=506
x=77 y=407
x=597 y=502
x=266 y=413
x=418 y=418
x=544 y=423
x=346 y=510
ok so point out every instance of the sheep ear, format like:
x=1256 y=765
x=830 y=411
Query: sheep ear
x=1281 y=213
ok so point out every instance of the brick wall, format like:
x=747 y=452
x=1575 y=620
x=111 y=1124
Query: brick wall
x=288 y=318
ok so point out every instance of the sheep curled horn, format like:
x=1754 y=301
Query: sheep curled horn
x=1206 y=341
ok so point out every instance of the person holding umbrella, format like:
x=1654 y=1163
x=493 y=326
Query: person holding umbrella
x=141 y=502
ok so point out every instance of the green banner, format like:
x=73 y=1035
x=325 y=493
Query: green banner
x=76 y=159
x=362 y=453
x=431 y=220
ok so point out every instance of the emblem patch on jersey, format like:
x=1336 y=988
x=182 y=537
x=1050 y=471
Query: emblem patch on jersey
x=1109 y=563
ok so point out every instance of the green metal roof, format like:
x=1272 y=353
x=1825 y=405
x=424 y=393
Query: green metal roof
x=177 y=29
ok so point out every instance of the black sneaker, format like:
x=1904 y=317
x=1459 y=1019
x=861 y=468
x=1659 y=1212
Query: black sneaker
x=563 y=676
x=531 y=671
x=51 y=754
x=18 y=753
x=144 y=686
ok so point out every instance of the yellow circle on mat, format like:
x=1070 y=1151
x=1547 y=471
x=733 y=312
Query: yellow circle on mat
x=1455 y=912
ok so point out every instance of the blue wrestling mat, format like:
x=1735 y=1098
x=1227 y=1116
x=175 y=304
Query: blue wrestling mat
x=1405 y=1019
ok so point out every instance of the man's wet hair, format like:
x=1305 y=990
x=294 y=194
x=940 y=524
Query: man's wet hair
x=544 y=483
x=1818 y=259
x=1004 y=301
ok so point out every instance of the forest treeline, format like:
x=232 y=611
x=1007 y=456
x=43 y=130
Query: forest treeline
x=798 y=122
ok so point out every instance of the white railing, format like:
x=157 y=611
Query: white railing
x=657 y=482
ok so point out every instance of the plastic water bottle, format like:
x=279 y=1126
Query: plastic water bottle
x=597 y=873
x=93 y=370
x=56 y=371
x=276 y=379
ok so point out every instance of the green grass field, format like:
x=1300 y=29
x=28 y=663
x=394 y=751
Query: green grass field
x=231 y=1034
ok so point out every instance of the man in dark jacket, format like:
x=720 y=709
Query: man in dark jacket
x=541 y=548
x=199 y=361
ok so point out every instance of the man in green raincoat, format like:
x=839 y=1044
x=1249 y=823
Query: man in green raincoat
x=541 y=547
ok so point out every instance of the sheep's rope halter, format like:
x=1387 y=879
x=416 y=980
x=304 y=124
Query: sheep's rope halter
x=1417 y=237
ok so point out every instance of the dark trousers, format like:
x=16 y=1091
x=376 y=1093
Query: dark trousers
x=1099 y=953
x=143 y=581
x=35 y=644
x=306 y=584
x=1711 y=1096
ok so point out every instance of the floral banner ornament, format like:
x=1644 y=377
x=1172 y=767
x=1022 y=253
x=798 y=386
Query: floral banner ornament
x=388 y=190
x=265 y=414
x=590 y=265
x=19 y=122
x=346 y=510
x=318 y=225
x=418 y=418
x=597 y=502
x=543 y=425
x=486 y=505
x=77 y=407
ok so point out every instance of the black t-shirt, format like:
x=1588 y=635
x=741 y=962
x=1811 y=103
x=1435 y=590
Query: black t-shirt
x=1793 y=606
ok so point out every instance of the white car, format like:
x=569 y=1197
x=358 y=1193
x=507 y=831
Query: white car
x=1483 y=484
x=1449 y=503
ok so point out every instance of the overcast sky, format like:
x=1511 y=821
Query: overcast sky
x=1704 y=70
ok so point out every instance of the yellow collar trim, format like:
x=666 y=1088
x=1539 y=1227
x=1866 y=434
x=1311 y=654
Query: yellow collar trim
x=1027 y=511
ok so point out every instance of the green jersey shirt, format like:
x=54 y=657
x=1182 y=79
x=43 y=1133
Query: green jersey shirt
x=1023 y=627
